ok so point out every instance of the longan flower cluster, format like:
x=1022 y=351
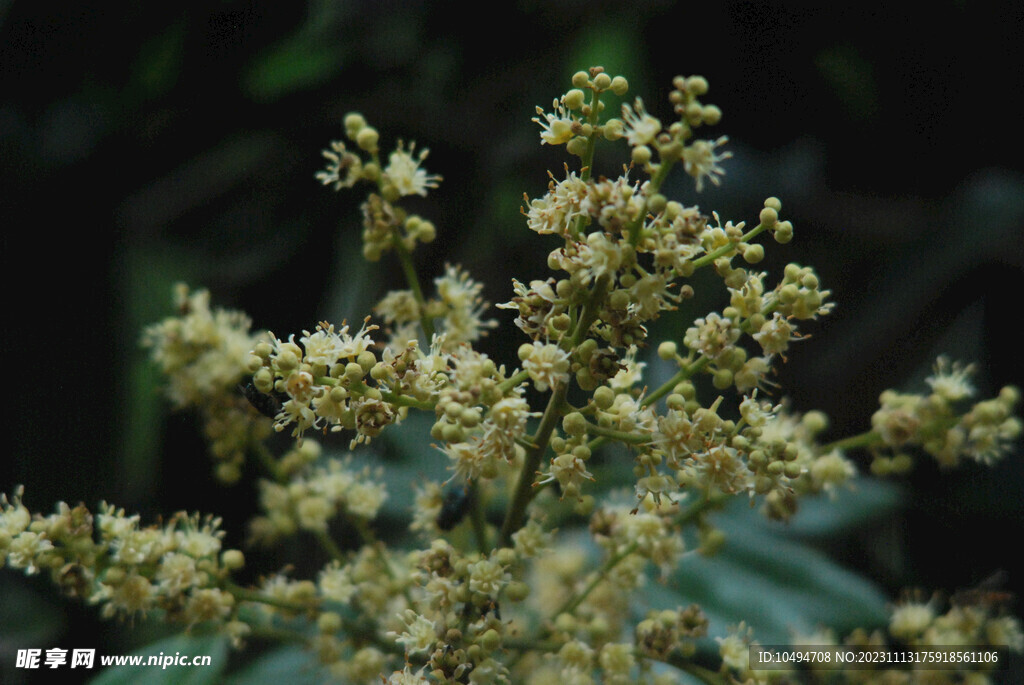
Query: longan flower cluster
x=942 y=424
x=498 y=597
x=315 y=496
x=385 y=226
x=110 y=560
x=458 y=306
x=203 y=354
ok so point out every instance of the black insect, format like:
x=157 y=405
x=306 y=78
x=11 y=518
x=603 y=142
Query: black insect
x=455 y=506
x=268 y=404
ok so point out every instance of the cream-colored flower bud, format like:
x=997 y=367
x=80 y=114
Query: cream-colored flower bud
x=354 y=123
x=581 y=79
x=602 y=81
x=232 y=559
x=667 y=350
x=697 y=85
x=620 y=86
x=711 y=115
x=573 y=99
x=367 y=139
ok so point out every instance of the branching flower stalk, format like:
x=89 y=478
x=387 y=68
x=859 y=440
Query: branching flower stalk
x=505 y=597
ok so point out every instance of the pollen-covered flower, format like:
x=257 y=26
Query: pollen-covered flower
x=547 y=364
x=404 y=173
x=641 y=128
x=557 y=125
x=344 y=169
x=951 y=380
x=701 y=161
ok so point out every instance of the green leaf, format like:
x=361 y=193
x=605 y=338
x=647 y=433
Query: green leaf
x=297 y=63
x=777 y=584
x=27 y=619
x=292 y=665
x=214 y=646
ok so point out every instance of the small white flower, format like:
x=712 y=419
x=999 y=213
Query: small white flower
x=343 y=169
x=557 y=125
x=403 y=171
x=641 y=127
x=701 y=161
x=548 y=365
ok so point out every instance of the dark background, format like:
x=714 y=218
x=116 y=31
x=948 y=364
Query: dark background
x=144 y=144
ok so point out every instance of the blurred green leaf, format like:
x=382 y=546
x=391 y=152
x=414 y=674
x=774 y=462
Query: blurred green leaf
x=148 y=277
x=214 y=646
x=292 y=665
x=296 y=63
x=26 y=619
x=774 y=582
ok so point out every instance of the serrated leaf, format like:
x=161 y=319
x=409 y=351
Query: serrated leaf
x=214 y=646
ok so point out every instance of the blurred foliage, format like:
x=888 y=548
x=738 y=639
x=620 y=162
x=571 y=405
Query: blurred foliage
x=156 y=143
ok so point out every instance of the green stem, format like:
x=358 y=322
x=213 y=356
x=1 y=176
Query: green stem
x=726 y=249
x=516 y=513
x=512 y=382
x=329 y=545
x=414 y=284
x=684 y=373
x=635 y=226
x=524 y=491
x=622 y=436
x=245 y=595
x=866 y=439
x=613 y=561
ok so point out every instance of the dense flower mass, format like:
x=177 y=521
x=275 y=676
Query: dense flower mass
x=529 y=561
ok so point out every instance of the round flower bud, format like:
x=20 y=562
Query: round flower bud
x=774 y=202
x=354 y=371
x=287 y=360
x=367 y=139
x=366 y=360
x=602 y=81
x=711 y=115
x=752 y=254
x=612 y=129
x=641 y=155
x=525 y=350
x=620 y=86
x=722 y=379
x=573 y=99
x=697 y=85
x=263 y=379
x=354 y=123
x=604 y=397
x=577 y=146
x=263 y=349
x=769 y=217
x=517 y=591
x=490 y=640
x=580 y=79
x=470 y=417
x=656 y=203
x=667 y=350
x=783 y=232
x=574 y=424
x=232 y=559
